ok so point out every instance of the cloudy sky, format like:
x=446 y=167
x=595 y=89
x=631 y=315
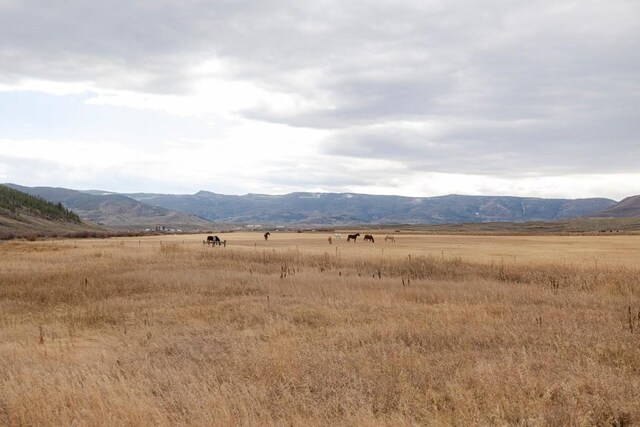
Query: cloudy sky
x=420 y=98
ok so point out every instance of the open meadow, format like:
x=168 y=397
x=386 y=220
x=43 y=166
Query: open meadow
x=427 y=330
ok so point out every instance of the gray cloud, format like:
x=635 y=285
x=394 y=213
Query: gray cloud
x=592 y=143
x=319 y=174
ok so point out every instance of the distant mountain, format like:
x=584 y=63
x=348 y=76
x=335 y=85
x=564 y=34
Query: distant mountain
x=116 y=210
x=22 y=213
x=348 y=208
x=626 y=208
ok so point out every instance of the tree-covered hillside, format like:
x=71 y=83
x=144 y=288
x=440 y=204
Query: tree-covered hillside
x=17 y=202
x=116 y=210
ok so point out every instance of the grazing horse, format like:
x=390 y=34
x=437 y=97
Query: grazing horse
x=368 y=238
x=392 y=238
x=213 y=240
x=266 y=236
x=352 y=236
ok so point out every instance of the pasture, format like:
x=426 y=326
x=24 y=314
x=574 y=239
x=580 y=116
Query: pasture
x=428 y=330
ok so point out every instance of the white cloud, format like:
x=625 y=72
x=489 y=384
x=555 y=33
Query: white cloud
x=233 y=162
x=76 y=154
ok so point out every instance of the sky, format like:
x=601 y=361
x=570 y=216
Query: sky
x=418 y=98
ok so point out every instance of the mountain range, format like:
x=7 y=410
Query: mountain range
x=348 y=208
x=201 y=210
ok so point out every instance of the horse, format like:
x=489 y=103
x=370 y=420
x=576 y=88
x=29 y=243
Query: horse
x=352 y=236
x=338 y=236
x=330 y=240
x=368 y=238
x=392 y=238
x=213 y=240
x=266 y=236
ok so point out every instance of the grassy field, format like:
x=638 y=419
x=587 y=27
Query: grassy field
x=428 y=330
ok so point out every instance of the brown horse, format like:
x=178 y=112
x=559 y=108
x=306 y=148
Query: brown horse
x=212 y=240
x=368 y=238
x=266 y=236
x=352 y=237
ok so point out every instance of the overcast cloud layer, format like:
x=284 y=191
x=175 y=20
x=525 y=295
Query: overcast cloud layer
x=537 y=98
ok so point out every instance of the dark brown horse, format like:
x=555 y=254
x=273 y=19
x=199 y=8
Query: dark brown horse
x=368 y=238
x=213 y=240
x=266 y=235
x=352 y=237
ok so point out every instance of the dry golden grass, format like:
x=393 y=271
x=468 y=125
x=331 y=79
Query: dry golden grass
x=433 y=330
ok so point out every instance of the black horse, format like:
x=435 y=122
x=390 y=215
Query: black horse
x=368 y=238
x=352 y=236
x=266 y=235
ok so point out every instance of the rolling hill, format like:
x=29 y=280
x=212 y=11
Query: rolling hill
x=626 y=208
x=24 y=214
x=116 y=210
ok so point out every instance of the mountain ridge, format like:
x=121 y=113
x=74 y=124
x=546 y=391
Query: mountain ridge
x=349 y=208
